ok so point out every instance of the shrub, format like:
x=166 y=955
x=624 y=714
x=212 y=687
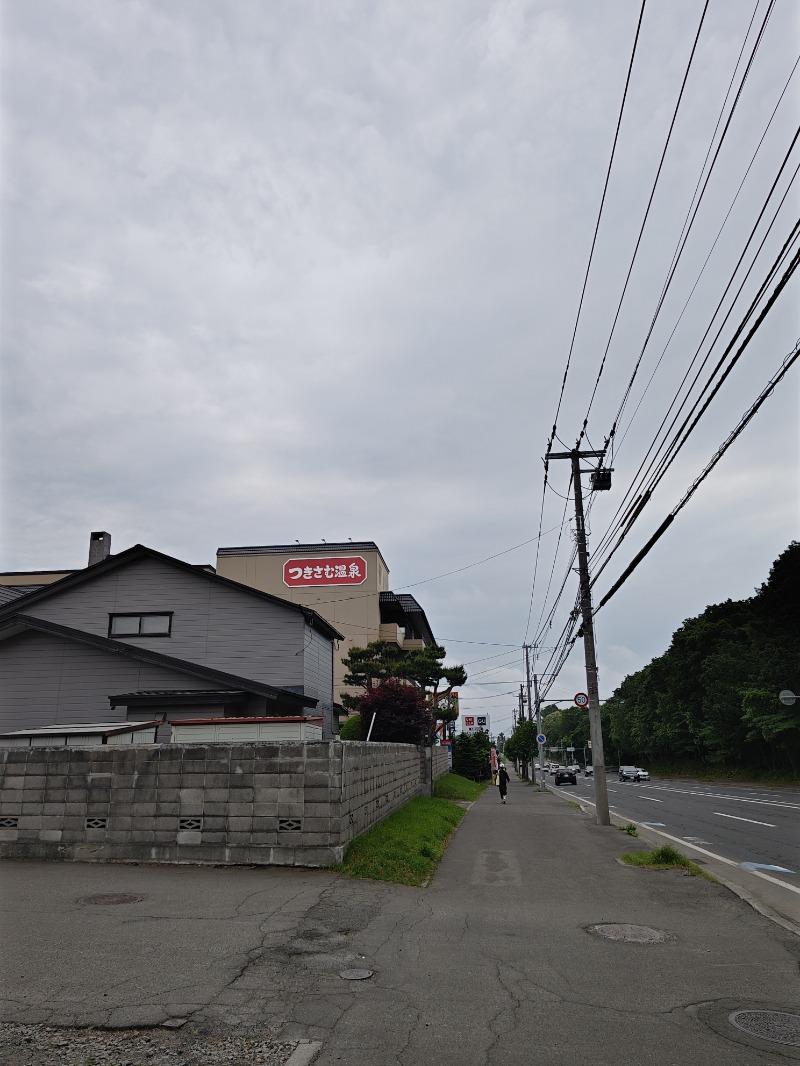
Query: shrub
x=401 y=714
x=350 y=729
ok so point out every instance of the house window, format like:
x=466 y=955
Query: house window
x=140 y=625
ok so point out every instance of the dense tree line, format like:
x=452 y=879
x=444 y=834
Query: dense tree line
x=712 y=697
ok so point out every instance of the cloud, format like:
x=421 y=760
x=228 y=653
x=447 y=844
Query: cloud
x=303 y=271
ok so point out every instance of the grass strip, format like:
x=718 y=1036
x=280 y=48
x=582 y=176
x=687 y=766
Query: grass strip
x=456 y=787
x=406 y=847
x=666 y=858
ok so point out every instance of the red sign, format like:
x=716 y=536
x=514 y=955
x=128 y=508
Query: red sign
x=469 y=722
x=581 y=699
x=338 y=570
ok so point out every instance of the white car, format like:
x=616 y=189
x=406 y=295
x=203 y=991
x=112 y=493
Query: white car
x=643 y=774
x=575 y=767
x=588 y=770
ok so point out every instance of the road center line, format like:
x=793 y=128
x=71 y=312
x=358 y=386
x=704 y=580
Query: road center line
x=751 y=821
x=652 y=799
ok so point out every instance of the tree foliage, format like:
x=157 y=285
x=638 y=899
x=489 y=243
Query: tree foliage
x=712 y=697
x=471 y=755
x=424 y=669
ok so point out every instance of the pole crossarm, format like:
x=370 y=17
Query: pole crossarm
x=580 y=455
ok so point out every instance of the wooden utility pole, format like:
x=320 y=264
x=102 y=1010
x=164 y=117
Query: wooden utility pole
x=587 y=629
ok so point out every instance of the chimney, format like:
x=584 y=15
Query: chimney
x=99 y=547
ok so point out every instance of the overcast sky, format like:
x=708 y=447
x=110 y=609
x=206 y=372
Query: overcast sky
x=282 y=271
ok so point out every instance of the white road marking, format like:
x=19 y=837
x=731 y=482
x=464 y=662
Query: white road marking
x=652 y=799
x=713 y=855
x=765 y=866
x=751 y=821
x=733 y=799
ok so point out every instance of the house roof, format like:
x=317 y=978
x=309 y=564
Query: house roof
x=173 y=697
x=13 y=592
x=404 y=610
x=20 y=623
x=106 y=729
x=140 y=551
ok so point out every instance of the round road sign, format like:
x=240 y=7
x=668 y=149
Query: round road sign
x=541 y=738
x=581 y=699
x=787 y=697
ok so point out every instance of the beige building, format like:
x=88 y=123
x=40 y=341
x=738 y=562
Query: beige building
x=346 y=583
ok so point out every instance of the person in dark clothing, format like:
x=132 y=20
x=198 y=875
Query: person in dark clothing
x=502 y=781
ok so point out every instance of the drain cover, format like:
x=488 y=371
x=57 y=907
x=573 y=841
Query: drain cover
x=112 y=897
x=774 y=1025
x=356 y=975
x=632 y=934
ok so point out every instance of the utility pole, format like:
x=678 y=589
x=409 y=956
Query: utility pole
x=587 y=628
x=542 y=785
x=530 y=709
x=521 y=720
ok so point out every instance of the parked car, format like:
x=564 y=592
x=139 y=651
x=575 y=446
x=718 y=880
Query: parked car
x=643 y=774
x=588 y=770
x=628 y=773
x=565 y=775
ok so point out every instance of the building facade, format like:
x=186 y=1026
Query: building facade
x=346 y=583
x=141 y=635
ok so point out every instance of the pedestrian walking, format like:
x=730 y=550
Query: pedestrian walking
x=502 y=781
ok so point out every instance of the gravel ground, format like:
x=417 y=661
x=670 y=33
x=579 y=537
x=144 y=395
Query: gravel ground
x=42 y=1045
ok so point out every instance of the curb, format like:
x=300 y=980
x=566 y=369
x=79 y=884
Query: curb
x=732 y=886
x=304 y=1054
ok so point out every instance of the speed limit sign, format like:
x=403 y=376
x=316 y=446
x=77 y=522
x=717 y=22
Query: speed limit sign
x=581 y=699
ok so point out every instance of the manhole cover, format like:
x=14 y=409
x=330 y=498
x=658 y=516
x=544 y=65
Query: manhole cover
x=112 y=897
x=631 y=934
x=356 y=975
x=773 y=1025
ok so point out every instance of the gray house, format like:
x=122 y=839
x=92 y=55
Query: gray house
x=140 y=634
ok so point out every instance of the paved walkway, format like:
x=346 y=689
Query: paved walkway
x=496 y=962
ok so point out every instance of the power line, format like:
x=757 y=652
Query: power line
x=644 y=220
x=597 y=226
x=634 y=509
x=746 y=418
x=696 y=201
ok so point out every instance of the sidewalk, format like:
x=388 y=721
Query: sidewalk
x=496 y=962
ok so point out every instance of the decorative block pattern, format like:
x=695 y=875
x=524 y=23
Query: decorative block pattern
x=285 y=803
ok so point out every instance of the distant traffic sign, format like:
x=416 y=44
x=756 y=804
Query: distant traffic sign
x=541 y=738
x=581 y=699
x=787 y=697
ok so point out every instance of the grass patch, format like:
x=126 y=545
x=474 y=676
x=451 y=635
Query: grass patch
x=456 y=787
x=665 y=858
x=630 y=829
x=407 y=846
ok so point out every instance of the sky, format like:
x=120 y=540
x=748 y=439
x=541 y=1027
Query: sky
x=302 y=271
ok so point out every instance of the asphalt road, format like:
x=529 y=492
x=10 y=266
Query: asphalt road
x=747 y=824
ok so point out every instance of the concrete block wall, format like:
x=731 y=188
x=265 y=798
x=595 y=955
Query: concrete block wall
x=260 y=803
x=441 y=762
x=376 y=779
